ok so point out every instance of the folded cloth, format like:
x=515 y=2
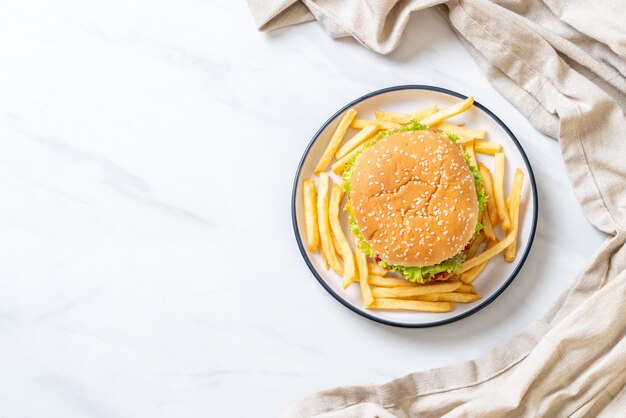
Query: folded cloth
x=563 y=65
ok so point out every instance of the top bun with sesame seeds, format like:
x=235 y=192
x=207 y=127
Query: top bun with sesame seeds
x=414 y=199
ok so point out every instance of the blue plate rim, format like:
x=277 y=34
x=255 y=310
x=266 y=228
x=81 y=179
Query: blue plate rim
x=484 y=303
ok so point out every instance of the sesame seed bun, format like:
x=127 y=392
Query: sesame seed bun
x=414 y=198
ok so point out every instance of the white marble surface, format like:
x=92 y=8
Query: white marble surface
x=149 y=267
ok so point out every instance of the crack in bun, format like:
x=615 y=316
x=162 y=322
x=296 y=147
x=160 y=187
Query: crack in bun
x=414 y=198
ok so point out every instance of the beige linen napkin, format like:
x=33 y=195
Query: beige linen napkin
x=563 y=64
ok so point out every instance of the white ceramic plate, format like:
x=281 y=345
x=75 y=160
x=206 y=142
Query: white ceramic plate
x=498 y=274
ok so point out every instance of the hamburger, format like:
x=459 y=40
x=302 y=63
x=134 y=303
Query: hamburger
x=414 y=202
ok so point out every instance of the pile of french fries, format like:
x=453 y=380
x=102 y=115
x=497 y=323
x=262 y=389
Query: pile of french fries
x=339 y=251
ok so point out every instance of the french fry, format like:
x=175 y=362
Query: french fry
x=488 y=228
x=469 y=149
x=489 y=252
x=358 y=139
x=380 y=281
x=510 y=252
x=464 y=133
x=485 y=147
x=361 y=262
x=335 y=140
x=389 y=282
x=371 y=277
x=349 y=269
x=340 y=165
x=326 y=240
x=376 y=269
x=470 y=275
x=404 y=118
x=498 y=191
x=488 y=186
x=362 y=123
x=473 y=249
x=324 y=259
x=466 y=288
x=335 y=242
x=409 y=291
x=449 y=297
x=411 y=305
x=446 y=113
x=310 y=215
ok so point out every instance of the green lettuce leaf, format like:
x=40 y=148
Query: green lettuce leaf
x=480 y=192
x=413 y=125
x=346 y=176
x=451 y=136
x=424 y=274
x=363 y=244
